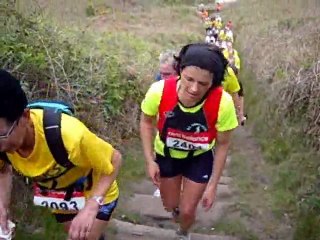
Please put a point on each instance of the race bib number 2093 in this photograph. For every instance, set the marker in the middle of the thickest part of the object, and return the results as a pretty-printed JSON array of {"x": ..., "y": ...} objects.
[{"x": 56, "y": 200}]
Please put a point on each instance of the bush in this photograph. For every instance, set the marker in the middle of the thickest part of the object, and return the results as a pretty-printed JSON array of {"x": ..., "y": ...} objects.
[{"x": 100, "y": 76}]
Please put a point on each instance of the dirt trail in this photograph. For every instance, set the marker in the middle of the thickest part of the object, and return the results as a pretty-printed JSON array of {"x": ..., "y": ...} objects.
[{"x": 253, "y": 190}]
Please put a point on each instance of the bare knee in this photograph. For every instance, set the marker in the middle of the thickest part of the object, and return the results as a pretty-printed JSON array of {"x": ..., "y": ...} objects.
[
  {"x": 188, "y": 212},
  {"x": 170, "y": 190}
]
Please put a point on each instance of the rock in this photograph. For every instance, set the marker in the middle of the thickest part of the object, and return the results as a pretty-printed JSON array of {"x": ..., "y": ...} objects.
[
  {"x": 150, "y": 206},
  {"x": 129, "y": 231}
]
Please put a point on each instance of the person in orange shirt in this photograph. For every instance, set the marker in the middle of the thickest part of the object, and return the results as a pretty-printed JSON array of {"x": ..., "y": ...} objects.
[{"x": 202, "y": 12}]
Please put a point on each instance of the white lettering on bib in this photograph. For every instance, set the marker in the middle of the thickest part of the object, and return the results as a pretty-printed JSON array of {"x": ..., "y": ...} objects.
[
  {"x": 55, "y": 200},
  {"x": 187, "y": 140}
]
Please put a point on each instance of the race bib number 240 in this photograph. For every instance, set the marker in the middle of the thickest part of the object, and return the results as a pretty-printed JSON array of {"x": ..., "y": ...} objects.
[{"x": 187, "y": 141}]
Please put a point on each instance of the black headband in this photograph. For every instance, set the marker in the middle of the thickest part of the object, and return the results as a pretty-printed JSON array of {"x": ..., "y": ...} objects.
[{"x": 205, "y": 57}]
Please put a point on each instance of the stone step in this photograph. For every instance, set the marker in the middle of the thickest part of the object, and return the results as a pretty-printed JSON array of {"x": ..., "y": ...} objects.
[
  {"x": 129, "y": 231},
  {"x": 147, "y": 205},
  {"x": 150, "y": 206},
  {"x": 126, "y": 236}
]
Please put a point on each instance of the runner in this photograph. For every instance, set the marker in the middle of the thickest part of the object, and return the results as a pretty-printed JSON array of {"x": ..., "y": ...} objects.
[
  {"x": 231, "y": 85},
  {"x": 219, "y": 4},
  {"x": 194, "y": 116},
  {"x": 218, "y": 23},
  {"x": 202, "y": 12},
  {"x": 234, "y": 62},
  {"x": 167, "y": 65},
  {"x": 232, "y": 56},
  {"x": 72, "y": 169}
]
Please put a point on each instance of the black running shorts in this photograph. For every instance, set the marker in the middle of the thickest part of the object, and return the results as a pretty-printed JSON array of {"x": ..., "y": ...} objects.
[{"x": 197, "y": 168}]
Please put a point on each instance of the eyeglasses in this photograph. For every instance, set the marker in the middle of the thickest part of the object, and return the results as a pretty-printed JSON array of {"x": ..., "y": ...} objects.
[{"x": 5, "y": 136}]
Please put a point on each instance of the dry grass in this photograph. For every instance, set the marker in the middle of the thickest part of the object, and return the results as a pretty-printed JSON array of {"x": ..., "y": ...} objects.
[
  {"x": 163, "y": 25},
  {"x": 277, "y": 34},
  {"x": 280, "y": 45},
  {"x": 300, "y": 97},
  {"x": 280, "y": 42},
  {"x": 155, "y": 24}
]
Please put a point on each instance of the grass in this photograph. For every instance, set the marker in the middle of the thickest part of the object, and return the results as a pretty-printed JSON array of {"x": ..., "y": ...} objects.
[
  {"x": 133, "y": 168},
  {"x": 132, "y": 171},
  {"x": 289, "y": 164},
  {"x": 293, "y": 163},
  {"x": 234, "y": 227},
  {"x": 147, "y": 19},
  {"x": 241, "y": 170},
  {"x": 39, "y": 225}
]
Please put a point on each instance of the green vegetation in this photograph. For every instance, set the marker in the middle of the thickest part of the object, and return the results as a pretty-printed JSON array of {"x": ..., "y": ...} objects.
[
  {"x": 236, "y": 228},
  {"x": 97, "y": 73},
  {"x": 280, "y": 47}
]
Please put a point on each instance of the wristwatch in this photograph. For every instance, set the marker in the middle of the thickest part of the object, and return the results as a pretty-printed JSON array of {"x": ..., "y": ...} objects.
[{"x": 98, "y": 199}]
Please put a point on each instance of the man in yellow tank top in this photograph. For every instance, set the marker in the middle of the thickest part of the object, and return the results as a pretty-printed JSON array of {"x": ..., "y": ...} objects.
[{"x": 87, "y": 210}]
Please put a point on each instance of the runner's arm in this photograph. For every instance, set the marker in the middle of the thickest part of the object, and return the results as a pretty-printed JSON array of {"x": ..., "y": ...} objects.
[
  {"x": 105, "y": 181},
  {"x": 220, "y": 156},
  {"x": 92, "y": 152},
  {"x": 146, "y": 135},
  {"x": 227, "y": 122},
  {"x": 236, "y": 101}
]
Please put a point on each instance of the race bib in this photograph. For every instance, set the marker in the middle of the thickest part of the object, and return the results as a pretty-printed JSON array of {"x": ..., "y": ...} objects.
[
  {"x": 55, "y": 200},
  {"x": 187, "y": 140}
]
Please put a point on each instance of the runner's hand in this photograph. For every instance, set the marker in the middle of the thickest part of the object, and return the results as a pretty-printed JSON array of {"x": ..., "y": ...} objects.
[
  {"x": 154, "y": 172},
  {"x": 208, "y": 198},
  {"x": 243, "y": 120},
  {"x": 82, "y": 224}
]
